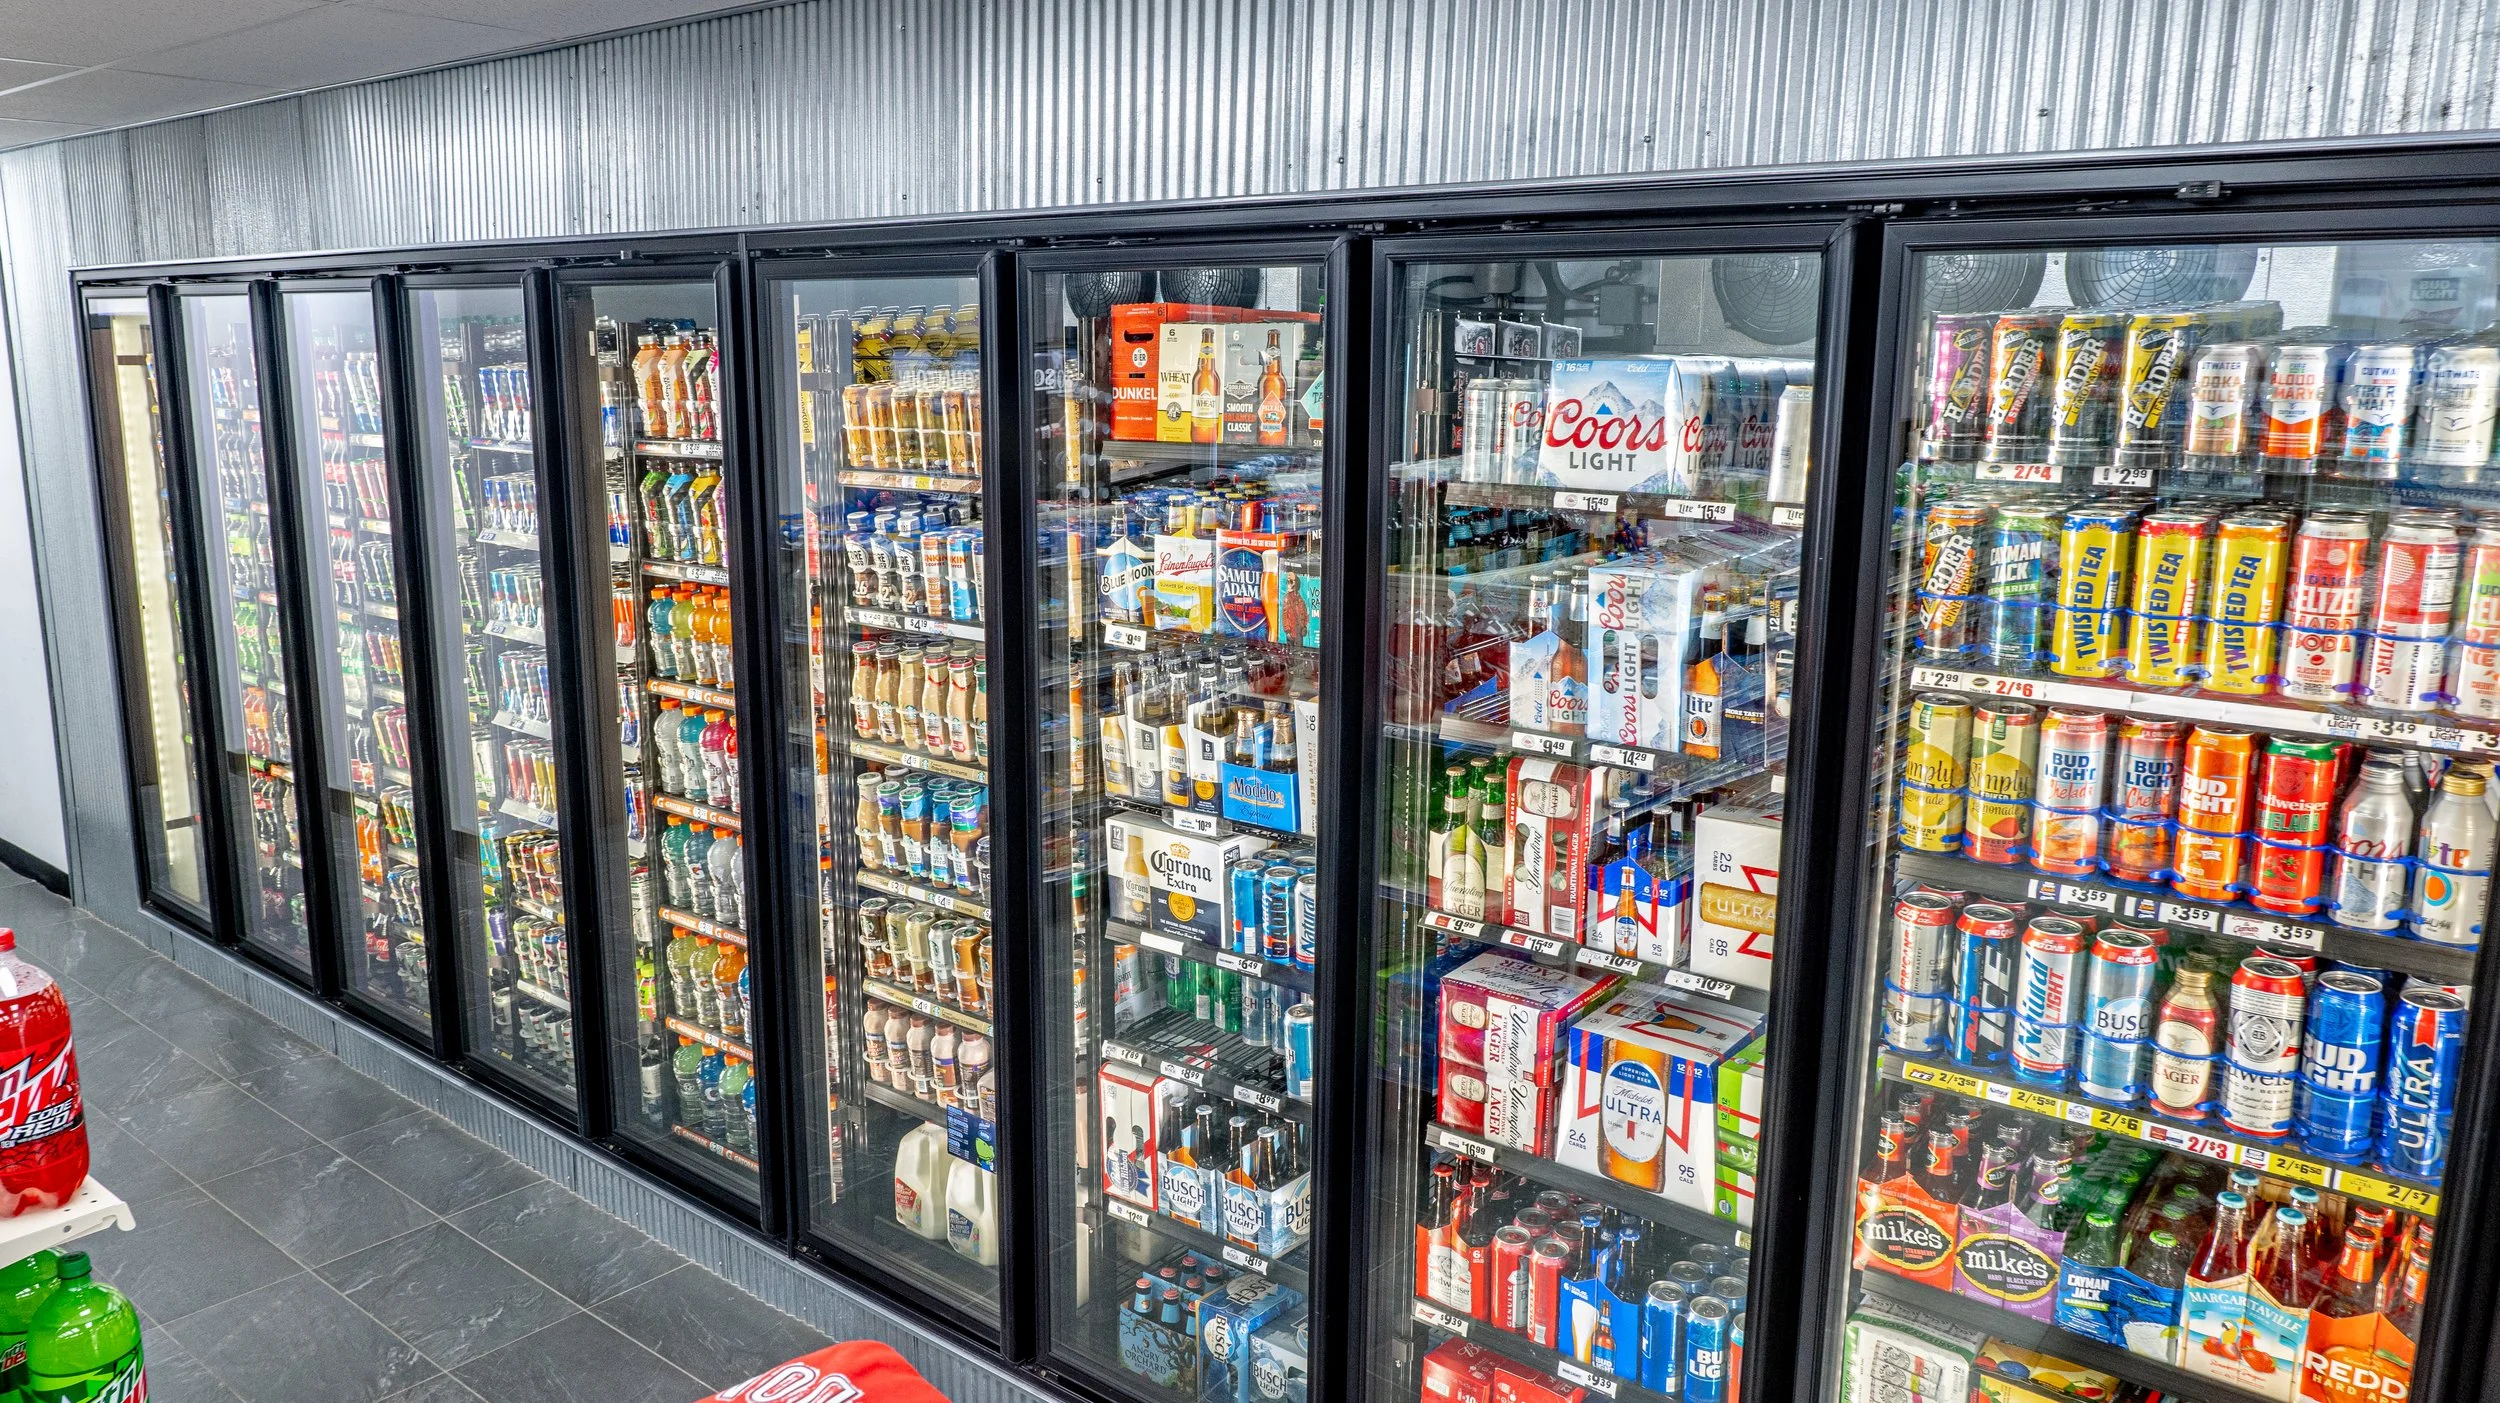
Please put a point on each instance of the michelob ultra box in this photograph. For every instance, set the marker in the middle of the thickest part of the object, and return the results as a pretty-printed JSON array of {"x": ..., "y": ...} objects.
[
  {"x": 1632, "y": 425},
  {"x": 1192, "y": 881},
  {"x": 1736, "y": 884},
  {"x": 1640, "y": 1091}
]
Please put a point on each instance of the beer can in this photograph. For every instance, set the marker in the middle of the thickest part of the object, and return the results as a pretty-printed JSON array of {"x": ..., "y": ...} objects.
[
  {"x": 2152, "y": 399},
  {"x": 1957, "y": 384},
  {"x": 2412, "y": 612},
  {"x": 2294, "y": 823},
  {"x": 1511, "y": 1246},
  {"x": 2020, "y": 588},
  {"x": 2261, "y": 1053},
  {"x": 2250, "y": 551},
  {"x": 2117, "y": 1016},
  {"x": 2226, "y": 383},
  {"x": 1933, "y": 774},
  {"x": 1305, "y": 917},
  {"x": 2474, "y": 672},
  {"x": 2322, "y": 618},
  {"x": 1705, "y": 1349},
  {"x": 1914, "y": 977},
  {"x": 1662, "y": 1338},
  {"x": 2303, "y": 411},
  {"x": 1952, "y": 550},
  {"x": 1480, "y": 431},
  {"x": 2460, "y": 392},
  {"x": 1245, "y": 926},
  {"x": 2004, "y": 771},
  {"x": 1548, "y": 1260},
  {"x": 2144, "y": 793},
  {"x": 1276, "y": 900},
  {"x": 2168, "y": 597},
  {"x": 1980, "y": 1015},
  {"x": 2378, "y": 394},
  {"x": 1693, "y": 1275},
  {"x": 2046, "y": 993},
  {"x": 1730, "y": 1289},
  {"x": 1298, "y": 1054},
  {"x": 2022, "y": 352},
  {"x": 2087, "y": 635},
  {"x": 2335, "y": 1101},
  {"x": 2083, "y": 418},
  {"x": 1792, "y": 445},
  {"x": 2066, "y": 806},
  {"x": 2215, "y": 784},
  {"x": 2425, "y": 1040}
]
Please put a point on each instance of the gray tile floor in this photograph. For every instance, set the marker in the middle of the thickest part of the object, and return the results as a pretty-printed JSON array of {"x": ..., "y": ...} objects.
[{"x": 307, "y": 1235}]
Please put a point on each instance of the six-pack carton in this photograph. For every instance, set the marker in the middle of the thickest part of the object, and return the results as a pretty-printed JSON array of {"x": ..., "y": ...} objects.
[
  {"x": 1137, "y": 361},
  {"x": 1640, "y": 1090},
  {"x": 1551, "y": 805}
]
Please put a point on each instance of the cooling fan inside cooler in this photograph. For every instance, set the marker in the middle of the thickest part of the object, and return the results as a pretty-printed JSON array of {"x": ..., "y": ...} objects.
[
  {"x": 1982, "y": 282},
  {"x": 1771, "y": 297},
  {"x": 2145, "y": 277}
]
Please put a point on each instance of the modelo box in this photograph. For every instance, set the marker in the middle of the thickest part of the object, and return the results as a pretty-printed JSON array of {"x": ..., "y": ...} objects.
[
  {"x": 1192, "y": 882},
  {"x": 1736, "y": 883},
  {"x": 1625, "y": 426},
  {"x": 1137, "y": 361},
  {"x": 1893, "y": 1354},
  {"x": 1639, "y": 1098},
  {"x": 1280, "y": 1360},
  {"x": 1129, "y": 1152},
  {"x": 1549, "y": 809},
  {"x": 1502, "y": 1029},
  {"x": 1229, "y": 1319}
]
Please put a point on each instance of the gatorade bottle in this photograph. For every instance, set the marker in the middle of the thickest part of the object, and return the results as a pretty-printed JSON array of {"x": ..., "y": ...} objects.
[
  {"x": 83, "y": 1343},
  {"x": 687, "y": 1067},
  {"x": 735, "y": 1078},
  {"x": 716, "y": 757},
  {"x": 43, "y": 1130},
  {"x": 690, "y": 751},
  {"x": 25, "y": 1284},
  {"x": 663, "y": 631}
]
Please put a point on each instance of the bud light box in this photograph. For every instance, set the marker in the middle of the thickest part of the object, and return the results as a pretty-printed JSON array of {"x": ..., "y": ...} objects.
[
  {"x": 1640, "y": 1091},
  {"x": 1624, "y": 426},
  {"x": 1280, "y": 1370},
  {"x": 1229, "y": 1319},
  {"x": 1893, "y": 1354},
  {"x": 2000, "y": 1258},
  {"x": 2118, "y": 1307},
  {"x": 1599, "y": 1329}
]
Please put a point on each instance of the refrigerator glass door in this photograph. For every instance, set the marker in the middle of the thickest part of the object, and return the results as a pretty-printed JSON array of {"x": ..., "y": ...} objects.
[
  {"x": 361, "y": 714},
  {"x": 481, "y": 486},
  {"x": 678, "y": 991},
  {"x": 255, "y": 716},
  {"x": 879, "y": 490},
  {"x": 1178, "y": 428},
  {"x": 1593, "y": 542},
  {"x": 2189, "y": 695},
  {"x": 121, "y": 339}
]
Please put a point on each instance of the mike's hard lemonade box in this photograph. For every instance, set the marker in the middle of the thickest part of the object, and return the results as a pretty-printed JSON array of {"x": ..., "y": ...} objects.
[{"x": 1633, "y": 425}]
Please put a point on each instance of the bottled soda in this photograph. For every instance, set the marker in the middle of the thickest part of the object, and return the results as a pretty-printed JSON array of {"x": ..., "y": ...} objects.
[
  {"x": 25, "y": 1284},
  {"x": 83, "y": 1343},
  {"x": 43, "y": 1129}
]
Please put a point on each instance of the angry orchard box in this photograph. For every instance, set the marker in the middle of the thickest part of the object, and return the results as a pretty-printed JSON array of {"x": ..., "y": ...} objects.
[{"x": 1631, "y": 425}]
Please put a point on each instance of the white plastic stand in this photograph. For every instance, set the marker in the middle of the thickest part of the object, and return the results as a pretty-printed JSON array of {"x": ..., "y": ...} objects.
[{"x": 92, "y": 1209}]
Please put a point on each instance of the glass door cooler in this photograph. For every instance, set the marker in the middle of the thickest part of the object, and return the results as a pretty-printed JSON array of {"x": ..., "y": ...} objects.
[
  {"x": 1595, "y": 512},
  {"x": 877, "y": 398},
  {"x": 2187, "y": 705}
]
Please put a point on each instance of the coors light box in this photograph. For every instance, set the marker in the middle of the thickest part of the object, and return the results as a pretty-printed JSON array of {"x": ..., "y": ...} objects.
[{"x": 1624, "y": 426}]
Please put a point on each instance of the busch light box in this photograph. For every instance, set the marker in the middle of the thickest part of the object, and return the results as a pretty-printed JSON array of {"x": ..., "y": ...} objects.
[
  {"x": 1229, "y": 1320},
  {"x": 1600, "y": 1329},
  {"x": 1280, "y": 1370},
  {"x": 2118, "y": 1307},
  {"x": 1268, "y": 1221},
  {"x": 2002, "y": 1259},
  {"x": 1624, "y": 426}
]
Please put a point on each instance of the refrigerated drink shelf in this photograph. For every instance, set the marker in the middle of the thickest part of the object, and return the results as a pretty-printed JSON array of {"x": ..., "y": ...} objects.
[
  {"x": 1504, "y": 494},
  {"x": 678, "y": 447},
  {"x": 1684, "y": 1218},
  {"x": 917, "y": 623},
  {"x": 1523, "y": 1350},
  {"x": 687, "y": 808},
  {"x": 2430, "y": 732},
  {"x": 893, "y": 1100},
  {"x": 536, "y": 908},
  {"x": 1132, "y": 638},
  {"x": 549, "y": 997},
  {"x": 920, "y": 1004},
  {"x": 1197, "y": 952},
  {"x": 914, "y": 760},
  {"x": 1200, "y": 1072},
  {"x": 526, "y": 725},
  {"x": 688, "y": 691},
  {"x": 926, "y": 896},
  {"x": 2172, "y": 1381},
  {"x": 493, "y": 445},
  {"x": 1695, "y": 775},
  {"x": 910, "y": 482},
  {"x": 1201, "y": 455},
  {"x": 2213, "y": 1142},
  {"x": 710, "y": 929},
  {"x": 687, "y": 1028},
  {"x": 518, "y": 540},
  {"x": 529, "y": 813},
  {"x": 1551, "y": 948},
  {"x": 682, "y": 571},
  {"x": 1206, "y": 1244},
  {"x": 517, "y": 633},
  {"x": 743, "y": 1161},
  {"x": 2441, "y": 964}
]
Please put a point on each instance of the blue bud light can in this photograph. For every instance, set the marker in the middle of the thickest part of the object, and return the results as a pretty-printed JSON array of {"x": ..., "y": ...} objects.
[
  {"x": 1689, "y": 1274},
  {"x": 2335, "y": 1099},
  {"x": 1242, "y": 930},
  {"x": 1306, "y": 917},
  {"x": 1298, "y": 1021},
  {"x": 1276, "y": 923},
  {"x": 2425, "y": 1037},
  {"x": 1662, "y": 1339},
  {"x": 1711, "y": 1255},
  {"x": 1730, "y": 1289},
  {"x": 1739, "y": 1265},
  {"x": 1705, "y": 1350}
]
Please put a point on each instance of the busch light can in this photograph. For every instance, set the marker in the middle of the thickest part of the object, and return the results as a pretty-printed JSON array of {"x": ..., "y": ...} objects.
[
  {"x": 1705, "y": 1350},
  {"x": 1662, "y": 1338},
  {"x": 2425, "y": 1038},
  {"x": 2335, "y": 1101},
  {"x": 2117, "y": 1016}
]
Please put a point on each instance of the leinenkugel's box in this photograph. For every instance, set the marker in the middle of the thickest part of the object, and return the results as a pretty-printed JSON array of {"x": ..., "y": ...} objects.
[
  {"x": 1634, "y": 425},
  {"x": 1641, "y": 1088}
]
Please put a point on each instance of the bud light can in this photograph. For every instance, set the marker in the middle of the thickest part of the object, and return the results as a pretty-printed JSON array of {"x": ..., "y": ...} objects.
[
  {"x": 2425, "y": 1038},
  {"x": 2074, "y": 772},
  {"x": 1662, "y": 1338},
  {"x": 2117, "y": 1016},
  {"x": 1980, "y": 1017},
  {"x": 1705, "y": 1350},
  {"x": 2262, "y": 1048},
  {"x": 2047, "y": 986},
  {"x": 2335, "y": 1102}
]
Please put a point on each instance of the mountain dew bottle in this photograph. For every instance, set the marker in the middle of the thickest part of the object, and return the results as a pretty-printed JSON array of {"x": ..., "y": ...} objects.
[
  {"x": 83, "y": 1344},
  {"x": 24, "y": 1284}
]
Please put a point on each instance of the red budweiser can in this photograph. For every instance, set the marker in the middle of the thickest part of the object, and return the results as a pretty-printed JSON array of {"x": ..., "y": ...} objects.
[
  {"x": 2295, "y": 822},
  {"x": 2414, "y": 608},
  {"x": 1548, "y": 1259},
  {"x": 1511, "y": 1277},
  {"x": 2474, "y": 678},
  {"x": 2322, "y": 623}
]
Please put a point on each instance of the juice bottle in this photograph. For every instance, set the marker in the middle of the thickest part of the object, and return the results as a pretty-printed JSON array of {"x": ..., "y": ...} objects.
[
  {"x": 721, "y": 667},
  {"x": 663, "y": 613},
  {"x": 647, "y": 384},
  {"x": 715, "y": 1124},
  {"x": 889, "y": 691},
  {"x": 864, "y": 691},
  {"x": 673, "y": 875},
  {"x": 725, "y": 970},
  {"x": 673, "y": 387},
  {"x": 690, "y": 749},
  {"x": 683, "y": 539},
  {"x": 702, "y": 392}
]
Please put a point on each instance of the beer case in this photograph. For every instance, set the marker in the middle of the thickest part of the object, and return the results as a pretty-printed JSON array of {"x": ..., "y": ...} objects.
[
  {"x": 1269, "y": 1221},
  {"x": 1472, "y": 338},
  {"x": 1188, "y": 1193},
  {"x": 2009, "y": 1373},
  {"x": 1739, "y": 1152},
  {"x": 2118, "y": 1307},
  {"x": 1561, "y": 342},
  {"x": 1184, "y": 583},
  {"x": 1241, "y": 360},
  {"x": 1461, "y": 1095},
  {"x": 1894, "y": 1354},
  {"x": 1306, "y": 749},
  {"x": 1549, "y": 805},
  {"x": 1517, "y": 1383},
  {"x": 1229, "y": 1319},
  {"x": 1248, "y": 570},
  {"x": 1732, "y": 1194},
  {"x": 1204, "y": 747},
  {"x": 1503, "y": 1019},
  {"x": 1130, "y": 1154},
  {"x": 1736, "y": 900},
  {"x": 1615, "y": 1350},
  {"x": 1119, "y": 831},
  {"x": 1904, "y": 1230},
  {"x": 1455, "y": 1371},
  {"x": 1639, "y": 1099},
  {"x": 1740, "y": 1093},
  {"x": 1137, "y": 362},
  {"x": 1640, "y": 627},
  {"x": 1192, "y": 882},
  {"x": 1520, "y": 340},
  {"x": 1280, "y": 1360},
  {"x": 1155, "y": 1351},
  {"x": 2355, "y": 1359},
  {"x": 2215, "y": 1328},
  {"x": 1641, "y": 913},
  {"x": 1629, "y": 425},
  {"x": 1999, "y": 1257},
  {"x": 1266, "y": 798}
]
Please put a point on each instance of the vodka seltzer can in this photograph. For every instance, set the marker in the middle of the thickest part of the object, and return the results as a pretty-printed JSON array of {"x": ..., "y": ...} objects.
[
  {"x": 2117, "y": 1016},
  {"x": 2004, "y": 770},
  {"x": 2322, "y": 617},
  {"x": 2087, "y": 637},
  {"x": 2152, "y": 393},
  {"x": 1979, "y": 1017},
  {"x": 2303, "y": 419},
  {"x": 2411, "y": 613},
  {"x": 1952, "y": 551},
  {"x": 1933, "y": 773},
  {"x": 2261, "y": 1053},
  {"x": 1914, "y": 976},
  {"x": 2144, "y": 785},
  {"x": 2335, "y": 1102},
  {"x": 2378, "y": 398},
  {"x": 2460, "y": 392},
  {"x": 2250, "y": 550},
  {"x": 2214, "y": 790},
  {"x": 2021, "y": 358},
  {"x": 2168, "y": 596},
  {"x": 2021, "y": 587},
  {"x": 2074, "y": 779},
  {"x": 2474, "y": 673},
  {"x": 1957, "y": 384},
  {"x": 2373, "y": 837},
  {"x": 2048, "y": 978},
  {"x": 2225, "y": 388},
  {"x": 2083, "y": 412},
  {"x": 2295, "y": 818}
]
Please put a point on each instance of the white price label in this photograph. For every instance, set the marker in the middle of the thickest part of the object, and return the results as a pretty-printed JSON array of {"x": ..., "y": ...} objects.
[
  {"x": 1127, "y": 636},
  {"x": 2171, "y": 913},
  {"x": 2122, "y": 477},
  {"x": 1538, "y": 743},
  {"x": 1535, "y": 944},
  {"x": 1204, "y": 825},
  {"x": 1160, "y": 944},
  {"x": 2306, "y": 937},
  {"x": 1620, "y": 964},
  {"x": 1459, "y": 1144},
  {"x": 1120, "y": 1052},
  {"x": 1247, "y": 1261},
  {"x": 1250, "y": 1096},
  {"x": 1239, "y": 964},
  {"x": 1440, "y": 1319},
  {"x": 2085, "y": 896},
  {"x": 1788, "y": 516},
  {"x": 1644, "y": 761},
  {"x": 1687, "y": 509},
  {"x": 1719, "y": 989},
  {"x": 2020, "y": 472},
  {"x": 1571, "y": 1373},
  {"x": 1584, "y": 501},
  {"x": 1455, "y": 925},
  {"x": 1128, "y": 1213},
  {"x": 1945, "y": 678},
  {"x": 2343, "y": 727},
  {"x": 1178, "y": 1072}
]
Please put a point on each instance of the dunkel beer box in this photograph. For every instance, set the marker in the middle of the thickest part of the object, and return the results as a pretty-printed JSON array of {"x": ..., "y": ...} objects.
[{"x": 1634, "y": 425}]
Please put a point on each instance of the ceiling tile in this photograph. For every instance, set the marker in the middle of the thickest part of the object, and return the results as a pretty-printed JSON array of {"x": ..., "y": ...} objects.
[
  {"x": 334, "y": 44},
  {"x": 14, "y": 72},
  {"x": 14, "y": 133},
  {"x": 85, "y": 32},
  {"x": 559, "y": 19},
  {"x": 112, "y": 97}
]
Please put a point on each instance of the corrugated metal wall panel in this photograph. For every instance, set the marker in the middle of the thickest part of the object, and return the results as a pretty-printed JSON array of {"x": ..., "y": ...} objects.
[
  {"x": 258, "y": 200},
  {"x": 169, "y": 188},
  {"x": 666, "y": 120},
  {"x": 103, "y": 226}
]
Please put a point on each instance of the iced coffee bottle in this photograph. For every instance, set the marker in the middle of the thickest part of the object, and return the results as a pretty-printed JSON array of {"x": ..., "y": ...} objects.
[
  {"x": 934, "y": 701},
  {"x": 911, "y": 685},
  {"x": 889, "y": 692},
  {"x": 959, "y": 703}
]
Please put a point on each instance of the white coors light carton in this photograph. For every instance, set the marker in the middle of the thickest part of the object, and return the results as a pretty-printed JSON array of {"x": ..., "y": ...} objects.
[{"x": 1625, "y": 426}]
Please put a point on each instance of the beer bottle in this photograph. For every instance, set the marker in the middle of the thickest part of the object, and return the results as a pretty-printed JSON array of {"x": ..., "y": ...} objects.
[
  {"x": 1273, "y": 428},
  {"x": 1206, "y": 394},
  {"x": 1936, "y": 1169},
  {"x": 1889, "y": 1159},
  {"x": 1491, "y": 826},
  {"x": 84, "y": 1341},
  {"x": 2353, "y": 1289},
  {"x": 2412, "y": 1279},
  {"x": 1992, "y": 1184}
]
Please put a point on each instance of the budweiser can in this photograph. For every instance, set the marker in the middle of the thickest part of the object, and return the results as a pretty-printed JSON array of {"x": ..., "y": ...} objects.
[
  {"x": 2086, "y": 638},
  {"x": 2295, "y": 819},
  {"x": 2152, "y": 400},
  {"x": 1933, "y": 774},
  {"x": 2412, "y": 612},
  {"x": 2250, "y": 550},
  {"x": 2074, "y": 775},
  {"x": 2047, "y": 991},
  {"x": 1914, "y": 977},
  {"x": 2004, "y": 770},
  {"x": 2225, "y": 389},
  {"x": 2169, "y": 585},
  {"x": 2019, "y": 365},
  {"x": 2145, "y": 788},
  {"x": 1957, "y": 384},
  {"x": 2303, "y": 418},
  {"x": 2474, "y": 675},
  {"x": 1512, "y": 1245},
  {"x": 2261, "y": 1054},
  {"x": 2378, "y": 401},
  {"x": 1951, "y": 549},
  {"x": 2213, "y": 813},
  {"x": 2460, "y": 391},
  {"x": 2322, "y": 620},
  {"x": 2083, "y": 415}
]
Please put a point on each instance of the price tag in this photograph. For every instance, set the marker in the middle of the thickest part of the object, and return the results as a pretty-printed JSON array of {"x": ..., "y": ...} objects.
[
  {"x": 1250, "y": 1096},
  {"x": 1121, "y": 1052},
  {"x": 913, "y": 623},
  {"x": 2190, "y": 1142},
  {"x": 1440, "y": 1319},
  {"x": 1127, "y": 636},
  {"x": 1459, "y": 1144},
  {"x": 1239, "y": 964},
  {"x": 1204, "y": 825},
  {"x": 1571, "y": 1373},
  {"x": 1584, "y": 501},
  {"x": 1247, "y": 1261},
  {"x": 2344, "y": 727},
  {"x": 1536, "y": 944},
  {"x": 2308, "y": 1171},
  {"x": 1456, "y": 925},
  {"x": 2122, "y": 477},
  {"x": 1687, "y": 509},
  {"x": 2117, "y": 1124},
  {"x": 2037, "y": 1102},
  {"x": 2003, "y": 686},
  {"x": 2307, "y": 937},
  {"x": 2171, "y": 913},
  {"x": 1788, "y": 516},
  {"x": 1937, "y": 677},
  {"x": 1624, "y": 758},
  {"x": 1921, "y": 1074},
  {"x": 1599, "y": 959},
  {"x": 2404, "y": 1196},
  {"x": 1128, "y": 1212},
  {"x": 2070, "y": 895},
  {"x": 2446, "y": 737},
  {"x": 1719, "y": 989},
  {"x": 1161, "y": 944},
  {"x": 2020, "y": 472},
  {"x": 1538, "y": 743},
  {"x": 1178, "y": 1072},
  {"x": 875, "y": 618}
]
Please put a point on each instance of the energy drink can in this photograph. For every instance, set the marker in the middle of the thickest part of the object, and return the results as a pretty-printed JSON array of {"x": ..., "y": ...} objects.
[
  {"x": 2086, "y": 634},
  {"x": 2021, "y": 587},
  {"x": 2083, "y": 417},
  {"x": 2214, "y": 790},
  {"x": 2335, "y": 1100},
  {"x": 2145, "y": 792},
  {"x": 2250, "y": 550},
  {"x": 1980, "y": 1016},
  {"x": 1933, "y": 773},
  {"x": 2226, "y": 383},
  {"x": 2117, "y": 1016},
  {"x": 1662, "y": 1338},
  {"x": 2004, "y": 772},
  {"x": 2378, "y": 395},
  {"x": 2303, "y": 418},
  {"x": 2022, "y": 351},
  {"x": 2169, "y": 593},
  {"x": 2066, "y": 807},
  {"x": 1705, "y": 1349},
  {"x": 2152, "y": 398},
  {"x": 1952, "y": 548},
  {"x": 2046, "y": 993},
  {"x": 2322, "y": 617},
  {"x": 1957, "y": 384}
]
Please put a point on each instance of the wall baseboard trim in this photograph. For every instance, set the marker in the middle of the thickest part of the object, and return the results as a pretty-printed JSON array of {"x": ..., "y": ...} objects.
[{"x": 34, "y": 869}]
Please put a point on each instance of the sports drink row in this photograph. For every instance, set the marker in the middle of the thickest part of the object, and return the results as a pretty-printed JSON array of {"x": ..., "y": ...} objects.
[
  {"x": 688, "y": 627},
  {"x": 709, "y": 983},
  {"x": 680, "y": 504},
  {"x": 921, "y": 557},
  {"x": 2295, "y": 825},
  {"x": 1602, "y": 1287},
  {"x": 715, "y": 1094},
  {"x": 676, "y": 383},
  {"x": 2270, "y": 1286},
  {"x": 2355, "y": 1065},
  {"x": 2242, "y": 600},
  {"x": 697, "y": 751},
  {"x": 2218, "y": 388},
  {"x": 700, "y": 871}
]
